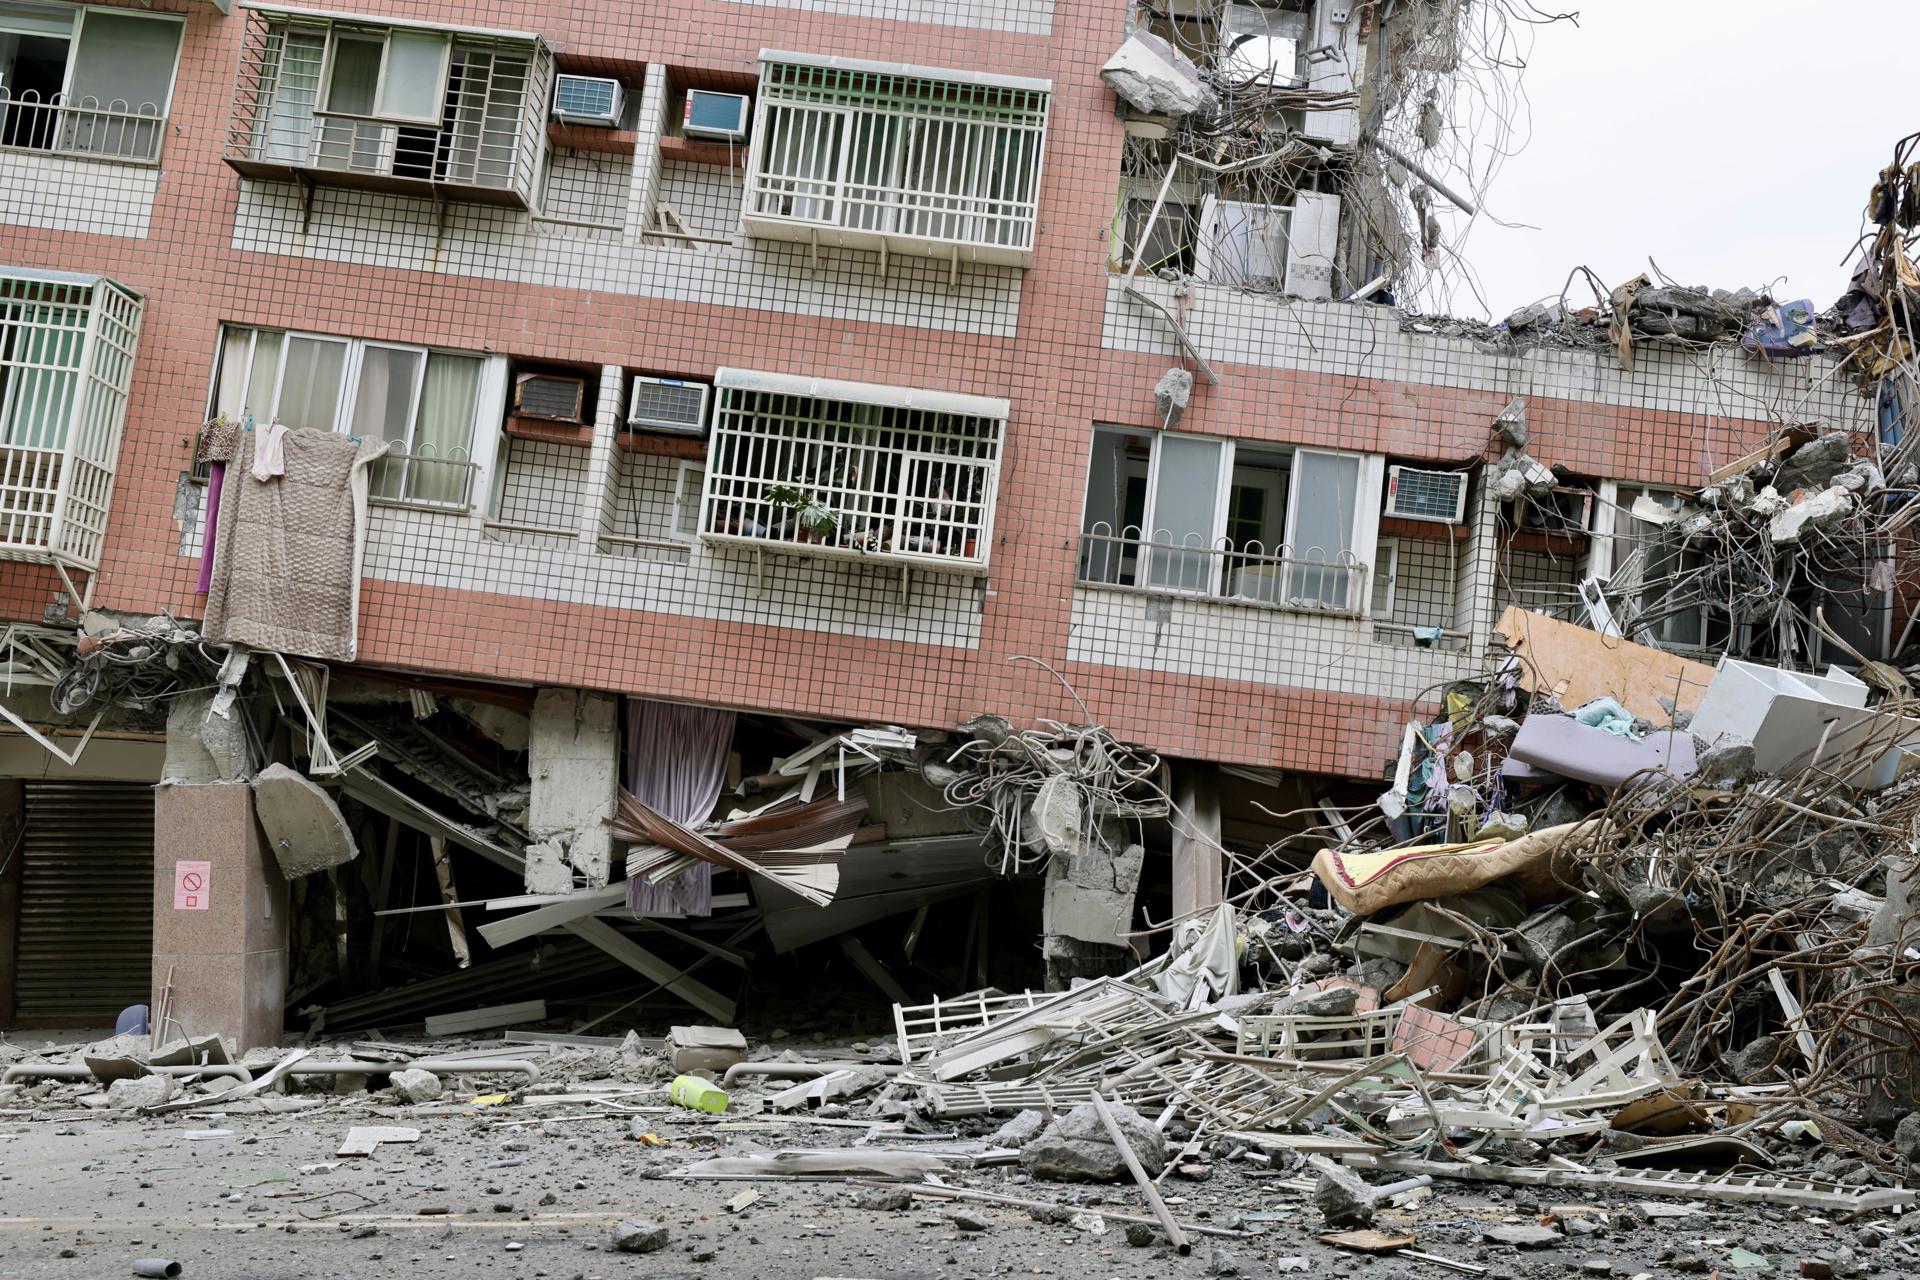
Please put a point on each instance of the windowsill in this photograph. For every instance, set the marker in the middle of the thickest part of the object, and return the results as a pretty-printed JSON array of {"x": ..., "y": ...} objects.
[
  {"x": 62, "y": 153},
  {"x": 622, "y": 547},
  {"x": 824, "y": 551},
  {"x": 370, "y": 180},
  {"x": 831, "y": 236},
  {"x": 430, "y": 508},
  {"x": 1199, "y": 597}
]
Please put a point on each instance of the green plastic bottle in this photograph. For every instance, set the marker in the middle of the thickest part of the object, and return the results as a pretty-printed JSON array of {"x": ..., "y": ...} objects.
[{"x": 696, "y": 1094}]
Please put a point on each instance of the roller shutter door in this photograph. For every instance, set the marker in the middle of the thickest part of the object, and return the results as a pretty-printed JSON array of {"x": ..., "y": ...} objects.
[{"x": 86, "y": 902}]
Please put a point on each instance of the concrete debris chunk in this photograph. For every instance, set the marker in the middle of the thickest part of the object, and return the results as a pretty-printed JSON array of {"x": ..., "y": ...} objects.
[
  {"x": 1078, "y": 1148},
  {"x": 1526, "y": 1235},
  {"x": 415, "y": 1086},
  {"x": 1171, "y": 394},
  {"x": 1342, "y": 1197},
  {"x": 140, "y": 1091},
  {"x": 639, "y": 1235},
  {"x": 303, "y": 826}
]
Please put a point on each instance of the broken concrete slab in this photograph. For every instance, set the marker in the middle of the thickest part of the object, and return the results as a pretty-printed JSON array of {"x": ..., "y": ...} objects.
[
  {"x": 302, "y": 824},
  {"x": 131, "y": 1092},
  {"x": 639, "y": 1235},
  {"x": 1154, "y": 77},
  {"x": 1524, "y": 1235},
  {"x": 1343, "y": 1198}
]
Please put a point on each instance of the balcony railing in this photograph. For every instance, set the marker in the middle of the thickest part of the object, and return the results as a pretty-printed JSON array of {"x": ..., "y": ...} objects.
[
  {"x": 86, "y": 127},
  {"x": 67, "y": 346},
  {"x": 1245, "y": 573},
  {"x": 485, "y": 147},
  {"x": 900, "y": 159},
  {"x": 423, "y": 479}
]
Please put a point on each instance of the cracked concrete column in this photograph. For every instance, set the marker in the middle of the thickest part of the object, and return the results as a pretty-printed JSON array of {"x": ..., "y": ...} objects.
[
  {"x": 1199, "y": 867},
  {"x": 574, "y": 762}
]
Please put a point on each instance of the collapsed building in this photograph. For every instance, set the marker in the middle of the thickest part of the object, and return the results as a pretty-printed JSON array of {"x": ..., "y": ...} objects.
[{"x": 600, "y": 520}]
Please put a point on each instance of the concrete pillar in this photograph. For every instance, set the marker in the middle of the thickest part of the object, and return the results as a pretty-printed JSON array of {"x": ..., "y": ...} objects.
[
  {"x": 1199, "y": 867},
  {"x": 598, "y": 495},
  {"x": 644, "y": 192},
  {"x": 219, "y": 915},
  {"x": 13, "y": 814},
  {"x": 573, "y": 757}
]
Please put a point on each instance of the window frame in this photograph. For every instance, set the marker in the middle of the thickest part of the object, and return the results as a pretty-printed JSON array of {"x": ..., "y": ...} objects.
[
  {"x": 689, "y": 483},
  {"x": 1627, "y": 541},
  {"x": 1206, "y": 249},
  {"x": 351, "y": 368},
  {"x": 75, "y": 28},
  {"x": 1362, "y": 530},
  {"x": 382, "y": 36}
]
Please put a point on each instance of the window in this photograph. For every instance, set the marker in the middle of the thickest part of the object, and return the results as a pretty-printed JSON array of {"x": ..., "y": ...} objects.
[
  {"x": 1658, "y": 571},
  {"x": 1243, "y": 244},
  {"x": 90, "y": 82},
  {"x": 67, "y": 346},
  {"x": 867, "y": 155},
  {"x": 1171, "y": 243},
  {"x": 424, "y": 403},
  {"x": 464, "y": 111},
  {"x": 1197, "y": 514},
  {"x": 850, "y": 469},
  {"x": 1257, "y": 43},
  {"x": 689, "y": 481}
]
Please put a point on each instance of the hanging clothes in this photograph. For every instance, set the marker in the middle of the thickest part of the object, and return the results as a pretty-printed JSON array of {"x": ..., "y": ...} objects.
[
  {"x": 270, "y": 451},
  {"x": 676, "y": 760},
  {"x": 216, "y": 444}
]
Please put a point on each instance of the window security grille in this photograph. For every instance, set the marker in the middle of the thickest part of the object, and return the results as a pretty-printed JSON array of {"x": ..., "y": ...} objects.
[
  {"x": 66, "y": 360},
  {"x": 832, "y": 477},
  {"x": 873, "y": 158}
]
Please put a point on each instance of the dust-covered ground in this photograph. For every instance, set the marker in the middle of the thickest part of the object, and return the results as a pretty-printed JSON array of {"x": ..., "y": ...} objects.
[{"x": 530, "y": 1187}]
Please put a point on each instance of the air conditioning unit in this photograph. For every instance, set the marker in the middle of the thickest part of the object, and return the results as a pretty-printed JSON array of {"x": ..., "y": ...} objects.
[
  {"x": 668, "y": 404},
  {"x": 1564, "y": 509},
  {"x": 592, "y": 100},
  {"x": 543, "y": 395},
  {"x": 715, "y": 115},
  {"x": 1438, "y": 497}
]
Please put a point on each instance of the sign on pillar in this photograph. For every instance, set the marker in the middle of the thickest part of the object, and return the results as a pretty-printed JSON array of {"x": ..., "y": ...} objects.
[{"x": 192, "y": 883}]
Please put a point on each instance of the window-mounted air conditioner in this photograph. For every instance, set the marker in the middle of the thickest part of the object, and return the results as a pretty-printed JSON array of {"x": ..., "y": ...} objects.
[
  {"x": 1438, "y": 497},
  {"x": 543, "y": 395},
  {"x": 589, "y": 100},
  {"x": 668, "y": 404},
  {"x": 715, "y": 115}
]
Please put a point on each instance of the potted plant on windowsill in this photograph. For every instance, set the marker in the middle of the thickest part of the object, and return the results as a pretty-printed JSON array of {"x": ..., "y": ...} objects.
[{"x": 813, "y": 520}]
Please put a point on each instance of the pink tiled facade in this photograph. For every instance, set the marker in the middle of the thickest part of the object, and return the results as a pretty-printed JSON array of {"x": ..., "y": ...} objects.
[{"x": 446, "y": 593}]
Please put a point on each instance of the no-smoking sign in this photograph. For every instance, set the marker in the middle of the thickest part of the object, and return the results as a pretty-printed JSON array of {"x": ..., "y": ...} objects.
[{"x": 191, "y": 881}]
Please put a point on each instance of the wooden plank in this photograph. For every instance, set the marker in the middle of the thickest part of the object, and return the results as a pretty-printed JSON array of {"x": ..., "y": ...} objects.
[
  {"x": 876, "y": 973},
  {"x": 499, "y": 1015},
  {"x": 501, "y": 932},
  {"x": 1577, "y": 665},
  {"x": 644, "y": 962}
]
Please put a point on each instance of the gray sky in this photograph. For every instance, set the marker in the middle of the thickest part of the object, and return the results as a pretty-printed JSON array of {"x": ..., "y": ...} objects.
[{"x": 1733, "y": 141}]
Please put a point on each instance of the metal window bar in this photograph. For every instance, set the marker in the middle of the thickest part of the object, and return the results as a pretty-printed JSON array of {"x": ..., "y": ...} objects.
[
  {"x": 899, "y": 485},
  {"x": 420, "y": 477},
  {"x": 66, "y": 361},
  {"x": 491, "y": 134},
  {"x": 938, "y": 161},
  {"x": 112, "y": 130},
  {"x": 1244, "y": 573}
]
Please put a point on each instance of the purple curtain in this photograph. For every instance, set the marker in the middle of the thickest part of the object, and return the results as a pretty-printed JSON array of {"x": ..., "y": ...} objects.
[
  {"x": 216, "y": 480},
  {"x": 676, "y": 760}
]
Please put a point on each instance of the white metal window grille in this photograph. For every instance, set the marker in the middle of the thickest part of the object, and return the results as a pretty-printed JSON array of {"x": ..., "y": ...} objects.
[
  {"x": 827, "y": 476},
  {"x": 66, "y": 360},
  {"x": 477, "y": 131},
  {"x": 897, "y": 159}
]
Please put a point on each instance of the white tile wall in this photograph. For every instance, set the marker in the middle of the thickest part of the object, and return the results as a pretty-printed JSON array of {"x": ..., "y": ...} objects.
[
  {"x": 1215, "y": 640},
  {"x": 1366, "y": 341},
  {"x": 1021, "y": 17},
  {"x": 398, "y": 232},
  {"x": 57, "y": 193}
]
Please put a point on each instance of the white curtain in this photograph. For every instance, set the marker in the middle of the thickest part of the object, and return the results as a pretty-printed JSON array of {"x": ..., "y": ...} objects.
[
  {"x": 443, "y": 433},
  {"x": 676, "y": 760}
]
